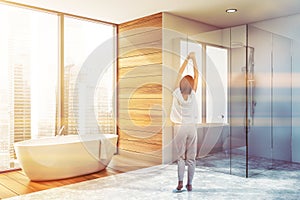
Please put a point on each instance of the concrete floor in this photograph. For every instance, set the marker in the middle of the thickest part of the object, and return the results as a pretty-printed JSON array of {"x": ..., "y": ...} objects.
[{"x": 158, "y": 182}]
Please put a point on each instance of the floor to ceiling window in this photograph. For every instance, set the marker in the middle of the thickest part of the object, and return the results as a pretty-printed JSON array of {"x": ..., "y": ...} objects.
[
  {"x": 83, "y": 40},
  {"x": 30, "y": 89},
  {"x": 29, "y": 67}
]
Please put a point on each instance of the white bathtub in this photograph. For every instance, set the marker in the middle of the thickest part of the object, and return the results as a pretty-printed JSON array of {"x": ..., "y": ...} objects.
[
  {"x": 212, "y": 137},
  {"x": 65, "y": 156}
]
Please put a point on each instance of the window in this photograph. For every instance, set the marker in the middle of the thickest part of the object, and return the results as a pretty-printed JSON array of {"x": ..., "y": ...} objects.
[
  {"x": 83, "y": 40},
  {"x": 28, "y": 83},
  {"x": 213, "y": 69},
  {"x": 216, "y": 84},
  {"x": 31, "y": 94}
]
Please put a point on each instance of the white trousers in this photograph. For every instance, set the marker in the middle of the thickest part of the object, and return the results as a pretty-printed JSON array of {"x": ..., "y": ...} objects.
[{"x": 186, "y": 149}]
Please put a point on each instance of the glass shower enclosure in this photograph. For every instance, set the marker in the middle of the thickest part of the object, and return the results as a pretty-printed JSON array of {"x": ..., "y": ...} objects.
[{"x": 259, "y": 109}]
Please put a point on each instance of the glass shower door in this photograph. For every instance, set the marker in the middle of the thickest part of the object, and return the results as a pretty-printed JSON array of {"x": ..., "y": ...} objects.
[
  {"x": 259, "y": 101},
  {"x": 237, "y": 103}
]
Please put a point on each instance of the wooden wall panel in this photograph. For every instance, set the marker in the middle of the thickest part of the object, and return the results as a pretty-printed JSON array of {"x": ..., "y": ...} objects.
[
  {"x": 140, "y": 103},
  {"x": 132, "y": 37},
  {"x": 144, "y": 48},
  {"x": 136, "y": 142},
  {"x": 148, "y": 70},
  {"x": 140, "y": 60},
  {"x": 151, "y": 138},
  {"x": 149, "y": 21},
  {"x": 152, "y": 90},
  {"x": 141, "y": 126},
  {"x": 140, "y": 86}
]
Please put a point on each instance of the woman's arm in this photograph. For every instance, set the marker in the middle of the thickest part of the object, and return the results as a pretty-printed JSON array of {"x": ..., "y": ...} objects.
[
  {"x": 196, "y": 74},
  {"x": 183, "y": 66}
]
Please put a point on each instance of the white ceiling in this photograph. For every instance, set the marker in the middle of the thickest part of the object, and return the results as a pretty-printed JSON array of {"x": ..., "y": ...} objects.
[{"x": 208, "y": 11}]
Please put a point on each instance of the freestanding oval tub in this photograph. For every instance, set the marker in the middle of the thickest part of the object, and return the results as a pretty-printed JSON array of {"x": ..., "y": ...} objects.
[{"x": 67, "y": 156}]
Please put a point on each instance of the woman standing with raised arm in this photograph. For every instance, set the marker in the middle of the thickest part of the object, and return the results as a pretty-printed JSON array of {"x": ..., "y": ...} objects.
[{"x": 184, "y": 115}]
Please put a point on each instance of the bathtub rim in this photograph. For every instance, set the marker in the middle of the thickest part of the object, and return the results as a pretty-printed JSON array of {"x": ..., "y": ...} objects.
[{"x": 54, "y": 139}]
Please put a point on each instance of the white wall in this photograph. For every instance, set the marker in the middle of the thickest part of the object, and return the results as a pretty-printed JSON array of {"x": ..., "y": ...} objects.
[{"x": 288, "y": 26}]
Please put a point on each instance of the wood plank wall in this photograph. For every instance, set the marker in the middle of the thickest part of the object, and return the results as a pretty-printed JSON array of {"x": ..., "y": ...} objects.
[{"x": 140, "y": 86}]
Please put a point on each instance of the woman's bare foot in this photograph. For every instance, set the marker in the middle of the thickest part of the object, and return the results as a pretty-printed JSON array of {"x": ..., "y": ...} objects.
[
  {"x": 180, "y": 185},
  {"x": 189, "y": 187}
]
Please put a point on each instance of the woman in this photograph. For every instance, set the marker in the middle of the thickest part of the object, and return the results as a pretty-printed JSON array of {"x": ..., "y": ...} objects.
[{"x": 184, "y": 114}]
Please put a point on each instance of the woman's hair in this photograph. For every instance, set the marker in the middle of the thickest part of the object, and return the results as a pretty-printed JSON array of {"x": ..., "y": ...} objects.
[{"x": 186, "y": 84}]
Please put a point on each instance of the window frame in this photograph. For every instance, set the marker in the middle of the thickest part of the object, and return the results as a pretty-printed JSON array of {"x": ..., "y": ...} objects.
[{"x": 203, "y": 78}]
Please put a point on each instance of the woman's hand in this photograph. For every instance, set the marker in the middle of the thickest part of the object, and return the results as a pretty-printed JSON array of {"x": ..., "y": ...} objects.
[{"x": 191, "y": 55}]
